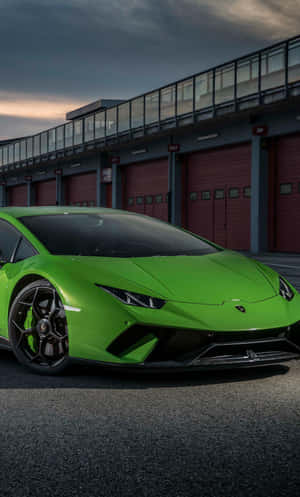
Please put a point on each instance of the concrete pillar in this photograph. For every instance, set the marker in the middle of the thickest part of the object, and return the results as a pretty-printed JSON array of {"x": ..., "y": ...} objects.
[
  {"x": 59, "y": 189},
  {"x": 101, "y": 187},
  {"x": 30, "y": 194},
  {"x": 117, "y": 186},
  {"x": 259, "y": 195},
  {"x": 175, "y": 189},
  {"x": 3, "y": 199}
]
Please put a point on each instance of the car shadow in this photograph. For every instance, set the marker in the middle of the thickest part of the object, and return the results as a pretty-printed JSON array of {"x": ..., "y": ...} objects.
[{"x": 14, "y": 376}]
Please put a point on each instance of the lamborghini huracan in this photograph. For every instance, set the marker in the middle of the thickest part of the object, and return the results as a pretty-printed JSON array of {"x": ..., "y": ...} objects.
[{"x": 129, "y": 291}]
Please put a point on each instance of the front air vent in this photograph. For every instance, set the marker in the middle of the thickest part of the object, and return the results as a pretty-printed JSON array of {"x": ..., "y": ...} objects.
[
  {"x": 181, "y": 345},
  {"x": 129, "y": 340},
  {"x": 173, "y": 344}
]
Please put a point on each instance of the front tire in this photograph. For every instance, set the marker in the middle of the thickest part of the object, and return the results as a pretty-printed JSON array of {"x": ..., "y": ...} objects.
[{"x": 38, "y": 331}]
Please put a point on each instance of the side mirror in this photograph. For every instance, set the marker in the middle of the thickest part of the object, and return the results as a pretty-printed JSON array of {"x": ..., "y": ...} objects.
[{"x": 3, "y": 261}]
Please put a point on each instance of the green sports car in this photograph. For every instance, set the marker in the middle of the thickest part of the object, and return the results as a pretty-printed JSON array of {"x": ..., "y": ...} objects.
[{"x": 127, "y": 290}]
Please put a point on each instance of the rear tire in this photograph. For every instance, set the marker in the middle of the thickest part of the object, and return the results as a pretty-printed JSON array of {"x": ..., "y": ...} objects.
[{"x": 38, "y": 331}]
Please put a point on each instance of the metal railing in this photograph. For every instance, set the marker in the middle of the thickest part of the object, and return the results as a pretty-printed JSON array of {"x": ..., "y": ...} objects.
[{"x": 260, "y": 78}]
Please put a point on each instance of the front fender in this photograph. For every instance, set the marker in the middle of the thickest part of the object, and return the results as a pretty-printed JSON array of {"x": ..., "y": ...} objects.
[{"x": 89, "y": 309}]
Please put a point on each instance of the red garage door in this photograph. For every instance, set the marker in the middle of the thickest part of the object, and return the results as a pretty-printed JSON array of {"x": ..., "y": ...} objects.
[
  {"x": 17, "y": 195},
  {"x": 146, "y": 187},
  {"x": 81, "y": 190},
  {"x": 218, "y": 195},
  {"x": 109, "y": 195},
  {"x": 45, "y": 192},
  {"x": 286, "y": 194}
]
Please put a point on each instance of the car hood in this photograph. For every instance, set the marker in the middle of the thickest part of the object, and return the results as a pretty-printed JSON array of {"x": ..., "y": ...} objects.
[{"x": 208, "y": 279}]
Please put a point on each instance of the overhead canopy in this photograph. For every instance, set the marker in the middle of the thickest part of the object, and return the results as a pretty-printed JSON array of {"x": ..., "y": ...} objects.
[{"x": 92, "y": 107}]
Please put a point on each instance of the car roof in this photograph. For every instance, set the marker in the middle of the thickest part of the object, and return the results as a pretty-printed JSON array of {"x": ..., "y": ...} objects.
[{"x": 18, "y": 212}]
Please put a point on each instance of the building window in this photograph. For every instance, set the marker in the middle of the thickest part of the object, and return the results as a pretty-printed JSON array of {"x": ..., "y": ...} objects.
[
  {"x": 158, "y": 199},
  {"x": 29, "y": 148},
  {"x": 185, "y": 97},
  {"x": 234, "y": 193},
  {"x": 139, "y": 200},
  {"x": 36, "y": 145},
  {"x": 203, "y": 90},
  {"x": 219, "y": 194},
  {"x": 247, "y": 191},
  {"x": 285, "y": 188},
  {"x": 17, "y": 151},
  {"x": 130, "y": 201},
  {"x": 205, "y": 195},
  {"x": 193, "y": 196},
  {"x": 11, "y": 154},
  {"x": 167, "y": 102},
  {"x": 51, "y": 137},
  {"x": 224, "y": 84},
  {"x": 89, "y": 128},
  {"x": 111, "y": 121},
  {"x": 92, "y": 203},
  {"x": 152, "y": 106},
  {"x": 100, "y": 125},
  {"x": 69, "y": 135},
  {"x": 44, "y": 143},
  {"x": 137, "y": 112},
  {"x": 149, "y": 199},
  {"x": 294, "y": 61},
  {"x": 60, "y": 132},
  {"x": 23, "y": 150},
  {"x": 247, "y": 76},
  {"x": 167, "y": 197},
  {"x": 123, "y": 117},
  {"x": 273, "y": 68},
  {"x": 77, "y": 132},
  {"x": 5, "y": 155}
]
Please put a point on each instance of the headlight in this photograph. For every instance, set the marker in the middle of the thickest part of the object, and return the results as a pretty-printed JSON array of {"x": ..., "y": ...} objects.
[
  {"x": 136, "y": 299},
  {"x": 285, "y": 291}
]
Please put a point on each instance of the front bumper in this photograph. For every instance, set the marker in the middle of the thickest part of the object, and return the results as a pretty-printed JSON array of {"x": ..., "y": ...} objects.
[
  {"x": 178, "y": 349},
  {"x": 246, "y": 353},
  {"x": 217, "y": 357},
  {"x": 179, "y": 333}
]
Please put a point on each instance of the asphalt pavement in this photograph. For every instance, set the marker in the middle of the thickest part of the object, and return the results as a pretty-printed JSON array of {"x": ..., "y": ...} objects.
[{"x": 95, "y": 432}]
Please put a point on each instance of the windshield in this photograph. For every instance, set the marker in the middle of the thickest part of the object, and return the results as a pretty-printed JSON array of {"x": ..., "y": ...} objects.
[{"x": 112, "y": 235}]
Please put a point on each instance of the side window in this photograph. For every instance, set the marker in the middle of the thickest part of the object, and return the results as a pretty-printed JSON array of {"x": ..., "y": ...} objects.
[
  {"x": 9, "y": 237},
  {"x": 24, "y": 251}
]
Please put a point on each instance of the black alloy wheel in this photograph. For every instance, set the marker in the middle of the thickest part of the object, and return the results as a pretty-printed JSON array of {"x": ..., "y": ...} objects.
[{"x": 38, "y": 330}]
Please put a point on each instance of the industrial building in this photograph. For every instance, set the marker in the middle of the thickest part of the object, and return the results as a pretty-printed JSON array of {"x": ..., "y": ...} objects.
[{"x": 217, "y": 153}]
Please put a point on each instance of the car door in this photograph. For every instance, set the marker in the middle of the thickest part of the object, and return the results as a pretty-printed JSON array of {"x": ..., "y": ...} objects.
[{"x": 9, "y": 238}]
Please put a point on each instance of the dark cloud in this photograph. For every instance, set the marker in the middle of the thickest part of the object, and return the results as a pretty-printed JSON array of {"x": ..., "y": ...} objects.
[{"x": 86, "y": 49}]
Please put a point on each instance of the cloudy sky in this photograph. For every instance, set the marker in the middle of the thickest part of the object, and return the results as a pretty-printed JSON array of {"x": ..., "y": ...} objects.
[{"x": 60, "y": 54}]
